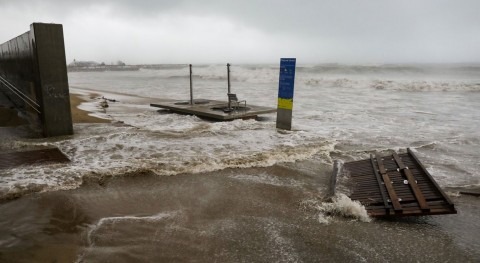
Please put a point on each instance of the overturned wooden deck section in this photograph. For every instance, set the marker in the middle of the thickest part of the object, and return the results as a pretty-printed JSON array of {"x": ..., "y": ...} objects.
[
  {"x": 35, "y": 157},
  {"x": 213, "y": 109},
  {"x": 397, "y": 185}
]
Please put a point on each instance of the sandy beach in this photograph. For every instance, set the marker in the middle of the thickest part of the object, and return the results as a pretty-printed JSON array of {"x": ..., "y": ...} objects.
[{"x": 82, "y": 116}]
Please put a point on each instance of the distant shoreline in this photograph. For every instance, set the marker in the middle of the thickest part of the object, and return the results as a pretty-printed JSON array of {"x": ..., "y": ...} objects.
[{"x": 101, "y": 68}]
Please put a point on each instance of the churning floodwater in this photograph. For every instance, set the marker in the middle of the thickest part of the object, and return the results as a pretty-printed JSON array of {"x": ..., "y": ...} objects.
[{"x": 340, "y": 112}]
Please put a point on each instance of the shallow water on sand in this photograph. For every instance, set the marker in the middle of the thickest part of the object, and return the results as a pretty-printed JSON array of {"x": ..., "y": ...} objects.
[{"x": 249, "y": 215}]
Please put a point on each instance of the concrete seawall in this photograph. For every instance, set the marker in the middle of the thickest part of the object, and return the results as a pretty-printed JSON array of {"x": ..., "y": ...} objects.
[{"x": 33, "y": 75}]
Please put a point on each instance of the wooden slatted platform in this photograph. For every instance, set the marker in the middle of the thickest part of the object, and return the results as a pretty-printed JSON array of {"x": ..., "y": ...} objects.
[
  {"x": 213, "y": 109},
  {"x": 14, "y": 159},
  {"x": 397, "y": 185}
]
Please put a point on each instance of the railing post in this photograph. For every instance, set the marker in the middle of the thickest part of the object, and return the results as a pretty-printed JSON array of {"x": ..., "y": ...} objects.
[
  {"x": 191, "y": 85},
  {"x": 228, "y": 78}
]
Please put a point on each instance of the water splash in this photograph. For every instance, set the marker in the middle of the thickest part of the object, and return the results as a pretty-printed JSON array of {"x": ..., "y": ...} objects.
[{"x": 340, "y": 206}]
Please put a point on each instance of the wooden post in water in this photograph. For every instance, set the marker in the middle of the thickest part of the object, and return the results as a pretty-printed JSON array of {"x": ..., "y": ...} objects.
[{"x": 191, "y": 85}]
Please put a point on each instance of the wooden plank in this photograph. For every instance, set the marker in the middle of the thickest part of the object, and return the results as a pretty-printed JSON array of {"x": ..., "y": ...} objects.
[
  {"x": 398, "y": 160},
  {"x": 414, "y": 157},
  {"x": 391, "y": 192},
  {"x": 411, "y": 181},
  {"x": 403, "y": 192},
  {"x": 434, "y": 204},
  {"x": 414, "y": 212},
  {"x": 381, "y": 167},
  {"x": 388, "y": 184},
  {"x": 379, "y": 182}
]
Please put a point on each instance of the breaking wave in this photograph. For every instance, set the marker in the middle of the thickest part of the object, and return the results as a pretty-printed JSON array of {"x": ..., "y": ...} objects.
[
  {"x": 419, "y": 86},
  {"x": 395, "y": 85},
  {"x": 105, "y": 151},
  {"x": 340, "y": 205}
]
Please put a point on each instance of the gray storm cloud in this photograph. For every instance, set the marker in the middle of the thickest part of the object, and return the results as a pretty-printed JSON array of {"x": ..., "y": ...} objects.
[{"x": 257, "y": 31}]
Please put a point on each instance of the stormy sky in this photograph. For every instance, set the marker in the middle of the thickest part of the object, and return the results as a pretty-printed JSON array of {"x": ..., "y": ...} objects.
[{"x": 220, "y": 31}]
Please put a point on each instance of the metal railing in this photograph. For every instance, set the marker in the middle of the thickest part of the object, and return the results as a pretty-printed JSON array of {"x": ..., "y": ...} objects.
[{"x": 33, "y": 104}]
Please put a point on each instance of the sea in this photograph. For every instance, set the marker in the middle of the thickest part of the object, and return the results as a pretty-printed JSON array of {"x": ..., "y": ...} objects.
[{"x": 158, "y": 186}]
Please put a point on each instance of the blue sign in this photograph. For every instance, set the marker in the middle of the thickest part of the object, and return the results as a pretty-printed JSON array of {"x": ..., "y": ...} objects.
[{"x": 286, "y": 83}]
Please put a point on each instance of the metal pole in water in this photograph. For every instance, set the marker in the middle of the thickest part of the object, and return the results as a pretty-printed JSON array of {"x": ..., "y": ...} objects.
[
  {"x": 191, "y": 85},
  {"x": 228, "y": 78}
]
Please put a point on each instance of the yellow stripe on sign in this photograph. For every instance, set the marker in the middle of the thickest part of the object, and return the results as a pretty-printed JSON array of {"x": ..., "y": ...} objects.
[{"x": 285, "y": 104}]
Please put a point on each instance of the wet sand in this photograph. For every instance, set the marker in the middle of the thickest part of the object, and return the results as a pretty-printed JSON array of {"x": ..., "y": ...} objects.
[
  {"x": 82, "y": 116},
  {"x": 234, "y": 215}
]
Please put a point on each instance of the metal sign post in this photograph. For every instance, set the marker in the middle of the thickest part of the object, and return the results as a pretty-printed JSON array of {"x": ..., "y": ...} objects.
[
  {"x": 285, "y": 93},
  {"x": 228, "y": 76}
]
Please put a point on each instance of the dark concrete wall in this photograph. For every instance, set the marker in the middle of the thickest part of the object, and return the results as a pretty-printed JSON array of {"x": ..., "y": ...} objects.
[
  {"x": 52, "y": 83},
  {"x": 17, "y": 68},
  {"x": 34, "y": 63}
]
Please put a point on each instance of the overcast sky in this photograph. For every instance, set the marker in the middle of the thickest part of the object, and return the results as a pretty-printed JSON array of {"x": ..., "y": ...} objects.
[{"x": 244, "y": 31}]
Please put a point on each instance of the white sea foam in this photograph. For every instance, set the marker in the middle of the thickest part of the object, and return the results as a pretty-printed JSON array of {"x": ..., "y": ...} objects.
[
  {"x": 348, "y": 111},
  {"x": 111, "y": 221},
  {"x": 198, "y": 147},
  {"x": 264, "y": 178},
  {"x": 119, "y": 219},
  {"x": 342, "y": 205}
]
